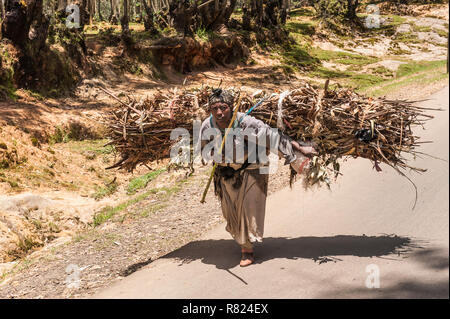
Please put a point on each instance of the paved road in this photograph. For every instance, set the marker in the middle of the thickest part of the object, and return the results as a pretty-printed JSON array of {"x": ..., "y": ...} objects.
[{"x": 322, "y": 244}]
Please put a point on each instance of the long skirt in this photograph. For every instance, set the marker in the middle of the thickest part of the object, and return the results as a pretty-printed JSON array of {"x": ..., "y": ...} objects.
[{"x": 243, "y": 199}]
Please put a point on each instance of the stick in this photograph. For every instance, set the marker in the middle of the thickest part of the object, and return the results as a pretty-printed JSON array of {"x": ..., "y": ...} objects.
[{"x": 115, "y": 97}]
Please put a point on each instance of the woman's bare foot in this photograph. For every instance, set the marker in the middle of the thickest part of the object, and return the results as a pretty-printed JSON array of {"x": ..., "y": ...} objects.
[{"x": 248, "y": 257}]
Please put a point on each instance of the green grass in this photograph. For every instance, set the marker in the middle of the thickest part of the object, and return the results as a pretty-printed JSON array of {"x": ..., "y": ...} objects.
[
  {"x": 418, "y": 28},
  {"x": 361, "y": 80},
  {"x": 166, "y": 191},
  {"x": 303, "y": 12},
  {"x": 205, "y": 35},
  {"x": 396, "y": 20},
  {"x": 347, "y": 78},
  {"x": 421, "y": 66},
  {"x": 382, "y": 76},
  {"x": 96, "y": 146},
  {"x": 142, "y": 181},
  {"x": 341, "y": 57},
  {"x": 383, "y": 71},
  {"x": 152, "y": 209},
  {"x": 108, "y": 212},
  {"x": 107, "y": 190},
  {"x": 297, "y": 56},
  {"x": 304, "y": 28},
  {"x": 408, "y": 37},
  {"x": 441, "y": 33},
  {"x": 421, "y": 79},
  {"x": 425, "y": 72}
]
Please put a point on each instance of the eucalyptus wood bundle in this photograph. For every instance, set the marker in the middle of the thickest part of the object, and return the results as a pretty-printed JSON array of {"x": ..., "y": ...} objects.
[
  {"x": 340, "y": 123},
  {"x": 140, "y": 131}
]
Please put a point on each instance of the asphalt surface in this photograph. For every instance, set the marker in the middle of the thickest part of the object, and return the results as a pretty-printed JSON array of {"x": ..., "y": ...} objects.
[{"x": 362, "y": 239}]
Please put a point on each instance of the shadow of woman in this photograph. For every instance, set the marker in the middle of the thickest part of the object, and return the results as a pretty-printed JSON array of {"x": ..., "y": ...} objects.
[{"x": 225, "y": 254}]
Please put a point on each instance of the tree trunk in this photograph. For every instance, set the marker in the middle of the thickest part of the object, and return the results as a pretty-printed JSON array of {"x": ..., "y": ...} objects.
[
  {"x": 352, "y": 5},
  {"x": 115, "y": 12},
  {"x": 148, "y": 21},
  {"x": 246, "y": 15},
  {"x": 283, "y": 11},
  {"x": 62, "y": 4},
  {"x": 181, "y": 14},
  {"x": 100, "y": 17},
  {"x": 124, "y": 22},
  {"x": 268, "y": 13},
  {"x": 2, "y": 10},
  {"x": 25, "y": 24},
  {"x": 91, "y": 11}
]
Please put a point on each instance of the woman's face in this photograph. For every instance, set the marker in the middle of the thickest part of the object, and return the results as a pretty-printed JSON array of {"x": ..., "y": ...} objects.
[{"x": 221, "y": 113}]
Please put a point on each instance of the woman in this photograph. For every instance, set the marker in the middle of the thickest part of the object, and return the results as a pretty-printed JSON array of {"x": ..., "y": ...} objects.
[{"x": 241, "y": 181}]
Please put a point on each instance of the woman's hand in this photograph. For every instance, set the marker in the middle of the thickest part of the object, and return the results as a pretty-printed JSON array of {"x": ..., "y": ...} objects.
[{"x": 307, "y": 150}]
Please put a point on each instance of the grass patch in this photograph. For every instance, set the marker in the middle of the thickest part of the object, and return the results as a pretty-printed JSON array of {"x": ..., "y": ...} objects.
[
  {"x": 74, "y": 131},
  {"x": 418, "y": 28},
  {"x": 167, "y": 191},
  {"x": 420, "y": 66},
  {"x": 382, "y": 70},
  {"x": 107, "y": 190},
  {"x": 205, "y": 35},
  {"x": 421, "y": 73},
  {"x": 152, "y": 209},
  {"x": 408, "y": 37},
  {"x": 418, "y": 79},
  {"x": 303, "y": 12},
  {"x": 347, "y": 78},
  {"x": 361, "y": 81},
  {"x": 142, "y": 181},
  {"x": 13, "y": 183},
  {"x": 96, "y": 146},
  {"x": 441, "y": 33},
  {"x": 397, "y": 20},
  {"x": 297, "y": 56},
  {"x": 304, "y": 28},
  {"x": 108, "y": 212},
  {"x": 163, "y": 194},
  {"x": 342, "y": 57}
]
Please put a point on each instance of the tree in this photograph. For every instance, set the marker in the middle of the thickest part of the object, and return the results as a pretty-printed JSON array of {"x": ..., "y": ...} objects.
[
  {"x": 187, "y": 16},
  {"x": 149, "y": 24},
  {"x": 337, "y": 9},
  {"x": 62, "y": 4},
  {"x": 25, "y": 24},
  {"x": 259, "y": 13},
  {"x": 124, "y": 21},
  {"x": 115, "y": 12},
  {"x": 352, "y": 5},
  {"x": 100, "y": 17},
  {"x": 2, "y": 10}
]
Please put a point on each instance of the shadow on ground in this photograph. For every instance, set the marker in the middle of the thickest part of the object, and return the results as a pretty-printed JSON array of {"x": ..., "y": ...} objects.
[{"x": 225, "y": 254}]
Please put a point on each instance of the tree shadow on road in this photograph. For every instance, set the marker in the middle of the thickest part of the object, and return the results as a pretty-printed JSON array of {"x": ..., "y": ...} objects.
[{"x": 225, "y": 254}]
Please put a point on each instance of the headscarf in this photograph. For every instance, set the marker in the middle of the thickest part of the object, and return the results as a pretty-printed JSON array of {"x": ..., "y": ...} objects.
[{"x": 223, "y": 96}]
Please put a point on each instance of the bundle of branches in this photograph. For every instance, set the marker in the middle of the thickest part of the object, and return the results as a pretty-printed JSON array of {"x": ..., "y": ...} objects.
[
  {"x": 140, "y": 131},
  {"x": 340, "y": 123}
]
